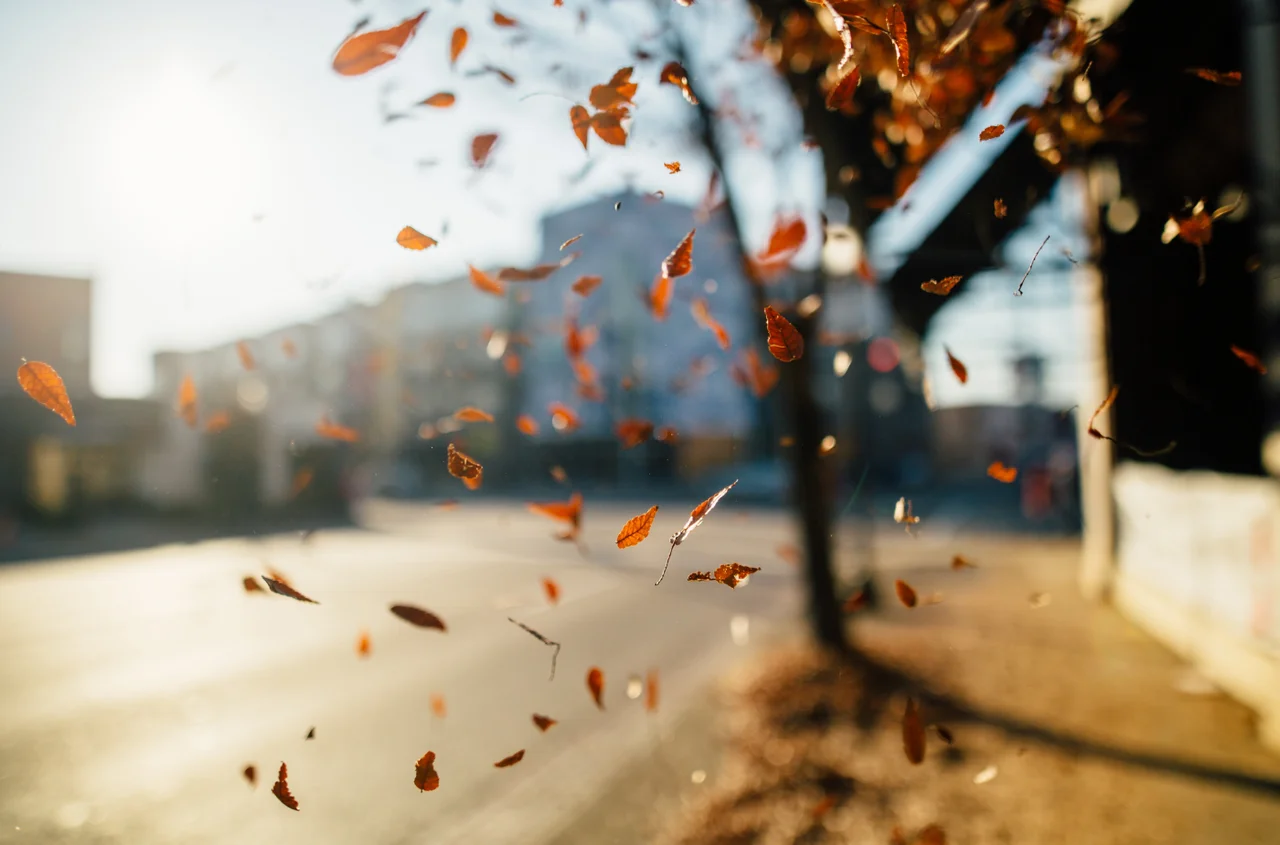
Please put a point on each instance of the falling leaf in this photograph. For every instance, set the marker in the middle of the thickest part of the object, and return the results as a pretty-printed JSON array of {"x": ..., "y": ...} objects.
[
  {"x": 563, "y": 418},
  {"x": 251, "y": 585},
  {"x": 660, "y": 297},
  {"x": 437, "y": 705},
  {"x": 333, "y": 431},
  {"x": 667, "y": 434},
  {"x": 854, "y": 602},
  {"x": 500, "y": 19},
  {"x": 943, "y": 287},
  {"x": 569, "y": 512},
  {"x": 246, "y": 355},
  {"x": 527, "y": 425},
  {"x": 902, "y": 513},
  {"x": 470, "y": 414},
  {"x": 758, "y": 376},
  {"x": 1217, "y": 77},
  {"x": 695, "y": 519},
  {"x": 680, "y": 261},
  {"x": 651, "y": 691},
  {"x": 558, "y": 473},
  {"x": 464, "y": 467},
  {"x": 481, "y": 146},
  {"x": 673, "y": 73},
  {"x": 963, "y": 26},
  {"x": 581, "y": 120},
  {"x": 251, "y": 774},
  {"x": 729, "y": 574},
  {"x": 841, "y": 94},
  {"x": 288, "y": 348},
  {"x": 311, "y": 734},
  {"x": 913, "y": 733},
  {"x": 486, "y": 283},
  {"x": 537, "y": 273},
  {"x": 544, "y": 640},
  {"x": 898, "y": 33},
  {"x": 364, "y": 645},
  {"x": 411, "y": 238},
  {"x": 217, "y": 423},
  {"x": 637, "y": 528},
  {"x": 609, "y": 128},
  {"x": 363, "y": 52},
  {"x": 595, "y": 683},
  {"x": 301, "y": 480},
  {"x": 424, "y": 773},
  {"x": 991, "y": 132},
  {"x": 785, "y": 343},
  {"x": 457, "y": 43},
  {"x": 441, "y": 100},
  {"x": 281, "y": 789},
  {"x": 544, "y": 723},
  {"x": 617, "y": 92},
  {"x": 957, "y": 366},
  {"x": 586, "y": 284},
  {"x": 571, "y": 241},
  {"x": 906, "y": 594},
  {"x": 187, "y": 409},
  {"x": 510, "y": 760},
  {"x": 417, "y": 616},
  {"x": 507, "y": 78},
  {"x": 672, "y": 166},
  {"x": 1002, "y": 473},
  {"x": 1001, "y": 210},
  {"x": 1250, "y": 360},
  {"x": 552, "y": 589},
  {"x": 280, "y": 588},
  {"x": 702, "y": 316},
  {"x": 961, "y": 562},
  {"x": 633, "y": 432},
  {"x": 945, "y": 734}
]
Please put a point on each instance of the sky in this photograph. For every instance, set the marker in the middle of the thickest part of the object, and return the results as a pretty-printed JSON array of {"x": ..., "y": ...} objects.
[{"x": 205, "y": 166}]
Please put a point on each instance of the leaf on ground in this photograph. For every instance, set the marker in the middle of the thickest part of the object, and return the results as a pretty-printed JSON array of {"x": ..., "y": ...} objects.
[
  {"x": 280, "y": 588},
  {"x": 424, "y": 773},
  {"x": 281, "y": 789},
  {"x": 417, "y": 616},
  {"x": 637, "y": 528},
  {"x": 365, "y": 51}
]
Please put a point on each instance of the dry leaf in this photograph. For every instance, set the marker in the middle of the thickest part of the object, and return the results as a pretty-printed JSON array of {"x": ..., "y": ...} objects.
[
  {"x": 333, "y": 431},
  {"x": 485, "y": 283},
  {"x": 464, "y": 467},
  {"x": 510, "y": 760},
  {"x": 217, "y": 423},
  {"x": 617, "y": 92},
  {"x": 991, "y": 132},
  {"x": 581, "y": 120},
  {"x": 651, "y": 691},
  {"x": 424, "y": 773},
  {"x": 957, "y": 366},
  {"x": 913, "y": 733},
  {"x": 552, "y": 589},
  {"x": 470, "y": 414},
  {"x": 43, "y": 384},
  {"x": 898, "y": 34},
  {"x": 544, "y": 723},
  {"x": 785, "y": 343},
  {"x": 411, "y": 238},
  {"x": 251, "y": 774},
  {"x": 246, "y": 355},
  {"x": 633, "y": 432},
  {"x": 943, "y": 287},
  {"x": 680, "y": 261},
  {"x": 440, "y": 100},
  {"x": 481, "y": 146},
  {"x": 841, "y": 94},
  {"x": 695, "y": 519},
  {"x": 569, "y": 512},
  {"x": 702, "y": 316},
  {"x": 1002, "y": 473},
  {"x": 563, "y": 418},
  {"x": 500, "y": 19},
  {"x": 538, "y": 273},
  {"x": 527, "y": 425},
  {"x": 438, "y": 705},
  {"x": 637, "y": 528},
  {"x": 570, "y": 242},
  {"x": 457, "y": 43},
  {"x": 660, "y": 297},
  {"x": 733, "y": 574},
  {"x": 281, "y": 789},
  {"x": 586, "y": 284},
  {"x": 673, "y": 73},
  {"x": 1250, "y": 360},
  {"x": 595, "y": 683},
  {"x": 500, "y": 73},
  {"x": 962, "y": 562},
  {"x": 365, "y": 51},
  {"x": 1001, "y": 210},
  {"x": 364, "y": 645},
  {"x": 251, "y": 585},
  {"x": 417, "y": 616},
  {"x": 280, "y": 588},
  {"x": 672, "y": 166},
  {"x": 1229, "y": 77},
  {"x": 608, "y": 126},
  {"x": 187, "y": 408},
  {"x": 906, "y": 594}
]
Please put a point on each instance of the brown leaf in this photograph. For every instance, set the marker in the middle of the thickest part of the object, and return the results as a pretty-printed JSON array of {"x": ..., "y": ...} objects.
[
  {"x": 572, "y": 240},
  {"x": 527, "y": 425},
  {"x": 1251, "y": 361},
  {"x": 633, "y": 432},
  {"x": 906, "y": 594},
  {"x": 438, "y": 705},
  {"x": 246, "y": 355},
  {"x": 651, "y": 691},
  {"x": 187, "y": 408},
  {"x": 217, "y": 423},
  {"x": 43, "y": 384},
  {"x": 457, "y": 43},
  {"x": 464, "y": 467},
  {"x": 251, "y": 585},
  {"x": 672, "y": 166},
  {"x": 439, "y": 100},
  {"x": 957, "y": 366},
  {"x": 733, "y": 574},
  {"x": 637, "y": 528},
  {"x": 570, "y": 511},
  {"x": 991, "y": 132},
  {"x": 251, "y": 774},
  {"x": 563, "y": 418},
  {"x": 538, "y": 272},
  {"x": 510, "y": 760},
  {"x": 595, "y": 683},
  {"x": 755, "y": 374},
  {"x": 898, "y": 34},
  {"x": 333, "y": 431},
  {"x": 695, "y": 519},
  {"x": 942, "y": 288},
  {"x": 411, "y": 238},
  {"x": 281, "y": 789},
  {"x": 500, "y": 73},
  {"x": 424, "y": 773},
  {"x": 913, "y": 733},
  {"x": 364, "y": 645},
  {"x": 785, "y": 343},
  {"x": 608, "y": 125},
  {"x": 1001, "y": 210},
  {"x": 365, "y": 51},
  {"x": 500, "y": 19},
  {"x": 552, "y": 589},
  {"x": 481, "y": 146},
  {"x": 417, "y": 616},
  {"x": 660, "y": 297},
  {"x": 680, "y": 261},
  {"x": 854, "y": 602},
  {"x": 961, "y": 562},
  {"x": 1002, "y": 473},
  {"x": 618, "y": 91},
  {"x": 280, "y": 588},
  {"x": 699, "y": 576},
  {"x": 1217, "y": 77},
  {"x": 702, "y": 316},
  {"x": 485, "y": 283},
  {"x": 470, "y": 414},
  {"x": 581, "y": 120},
  {"x": 841, "y": 94},
  {"x": 544, "y": 723},
  {"x": 586, "y": 284},
  {"x": 301, "y": 480},
  {"x": 673, "y": 73},
  {"x": 667, "y": 434}
]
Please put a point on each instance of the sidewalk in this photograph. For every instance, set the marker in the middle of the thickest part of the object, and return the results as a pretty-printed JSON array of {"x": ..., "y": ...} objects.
[{"x": 1084, "y": 729}]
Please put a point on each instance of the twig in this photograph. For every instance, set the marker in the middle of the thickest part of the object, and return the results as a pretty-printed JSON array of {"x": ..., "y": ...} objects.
[
  {"x": 1018, "y": 292},
  {"x": 937, "y": 121},
  {"x": 544, "y": 641},
  {"x": 856, "y": 491}
]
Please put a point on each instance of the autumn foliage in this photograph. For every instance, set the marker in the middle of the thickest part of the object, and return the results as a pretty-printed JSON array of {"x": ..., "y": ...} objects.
[{"x": 43, "y": 384}]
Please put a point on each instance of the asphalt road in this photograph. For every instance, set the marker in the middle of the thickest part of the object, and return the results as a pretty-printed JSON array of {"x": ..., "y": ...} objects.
[{"x": 135, "y": 687}]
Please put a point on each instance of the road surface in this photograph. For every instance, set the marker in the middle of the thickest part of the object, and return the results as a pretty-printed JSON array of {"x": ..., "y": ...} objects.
[{"x": 137, "y": 686}]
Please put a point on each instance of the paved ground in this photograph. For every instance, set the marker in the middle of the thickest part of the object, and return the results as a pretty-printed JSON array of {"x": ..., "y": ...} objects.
[{"x": 137, "y": 686}]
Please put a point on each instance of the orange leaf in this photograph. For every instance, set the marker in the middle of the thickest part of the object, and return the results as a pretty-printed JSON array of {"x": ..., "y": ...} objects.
[
  {"x": 672, "y": 166},
  {"x": 363, "y": 52},
  {"x": 552, "y": 589},
  {"x": 758, "y": 376},
  {"x": 500, "y": 19},
  {"x": 251, "y": 774},
  {"x": 841, "y": 94},
  {"x": 595, "y": 683},
  {"x": 702, "y": 316},
  {"x": 470, "y": 414},
  {"x": 251, "y": 585},
  {"x": 855, "y": 602},
  {"x": 1001, "y": 210},
  {"x": 485, "y": 283},
  {"x": 417, "y": 616},
  {"x": 991, "y": 132},
  {"x": 695, "y": 519},
  {"x": 942, "y": 288},
  {"x": 581, "y": 120},
  {"x": 544, "y": 723},
  {"x": 43, "y": 384},
  {"x": 281, "y": 789},
  {"x": 481, "y": 146},
  {"x": 660, "y": 297},
  {"x": 463, "y": 466},
  {"x": 906, "y": 594},
  {"x": 651, "y": 691},
  {"x": 217, "y": 423},
  {"x": 633, "y": 432},
  {"x": 457, "y": 43},
  {"x": 424, "y": 773},
  {"x": 898, "y": 33},
  {"x": 301, "y": 480},
  {"x": 441, "y": 100},
  {"x": 527, "y": 425},
  {"x": 618, "y": 91},
  {"x": 667, "y": 434},
  {"x": 961, "y": 562},
  {"x": 363, "y": 644},
  {"x": 957, "y": 366},
  {"x": 673, "y": 73},
  {"x": 334, "y": 431},
  {"x": 586, "y": 284},
  {"x": 280, "y": 588},
  {"x": 1251, "y": 361},
  {"x": 438, "y": 705},
  {"x": 187, "y": 401},
  {"x": 609, "y": 127},
  {"x": 537, "y": 273},
  {"x": 246, "y": 355},
  {"x": 570, "y": 511},
  {"x": 411, "y": 238},
  {"x": 637, "y": 528},
  {"x": 785, "y": 343},
  {"x": 510, "y": 760},
  {"x": 1218, "y": 77},
  {"x": 913, "y": 733},
  {"x": 680, "y": 261},
  {"x": 558, "y": 473},
  {"x": 563, "y": 417},
  {"x": 1002, "y": 473},
  {"x": 572, "y": 240},
  {"x": 733, "y": 574}
]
